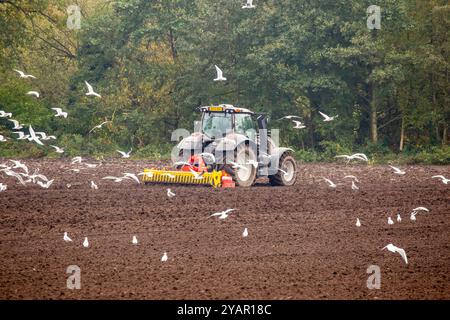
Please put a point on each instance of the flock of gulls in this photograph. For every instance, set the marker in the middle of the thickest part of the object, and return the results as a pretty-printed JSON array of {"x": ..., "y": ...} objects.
[{"x": 23, "y": 175}]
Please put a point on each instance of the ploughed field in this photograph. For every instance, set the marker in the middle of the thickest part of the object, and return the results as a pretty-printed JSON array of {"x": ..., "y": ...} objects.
[{"x": 302, "y": 242}]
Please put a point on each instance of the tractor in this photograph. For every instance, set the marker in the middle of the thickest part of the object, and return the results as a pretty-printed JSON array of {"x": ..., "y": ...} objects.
[{"x": 231, "y": 146}]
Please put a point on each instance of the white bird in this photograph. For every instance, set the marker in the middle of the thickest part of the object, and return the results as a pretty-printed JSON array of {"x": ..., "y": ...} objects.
[
  {"x": 45, "y": 137},
  {"x": 90, "y": 166},
  {"x": 352, "y": 177},
  {"x": 94, "y": 185},
  {"x": 222, "y": 214},
  {"x": 331, "y": 184},
  {"x": 421, "y": 209},
  {"x": 398, "y": 171},
  {"x": 17, "y": 125},
  {"x": 19, "y": 165},
  {"x": 298, "y": 125},
  {"x": 358, "y": 223},
  {"x": 99, "y": 126},
  {"x": 58, "y": 149},
  {"x": 220, "y": 76},
  {"x": 398, "y": 250},
  {"x": 237, "y": 166},
  {"x": 2, "y": 138},
  {"x": 249, "y": 5},
  {"x": 60, "y": 113},
  {"x": 23, "y": 75},
  {"x": 4, "y": 114},
  {"x": 327, "y": 118},
  {"x": 354, "y": 186},
  {"x": 66, "y": 237},
  {"x": 289, "y": 117},
  {"x": 134, "y": 241},
  {"x": 413, "y": 217},
  {"x": 125, "y": 154},
  {"x": 253, "y": 163},
  {"x": 33, "y": 137},
  {"x": 210, "y": 158},
  {"x": 91, "y": 91},
  {"x": 358, "y": 156},
  {"x": 131, "y": 176},
  {"x": 443, "y": 179},
  {"x": 77, "y": 160},
  {"x": 283, "y": 171},
  {"x": 390, "y": 221},
  {"x": 33, "y": 93},
  {"x": 15, "y": 175},
  {"x": 45, "y": 185},
  {"x": 197, "y": 175},
  {"x": 169, "y": 175},
  {"x": 399, "y": 219},
  {"x": 164, "y": 257},
  {"x": 245, "y": 233},
  {"x": 22, "y": 135},
  {"x": 85, "y": 242},
  {"x": 170, "y": 194},
  {"x": 116, "y": 179},
  {"x": 3, "y": 187}
]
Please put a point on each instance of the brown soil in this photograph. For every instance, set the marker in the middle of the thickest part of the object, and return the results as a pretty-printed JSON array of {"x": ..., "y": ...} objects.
[{"x": 302, "y": 243}]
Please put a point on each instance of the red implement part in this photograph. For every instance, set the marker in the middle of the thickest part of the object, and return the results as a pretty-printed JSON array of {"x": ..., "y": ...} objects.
[{"x": 197, "y": 164}]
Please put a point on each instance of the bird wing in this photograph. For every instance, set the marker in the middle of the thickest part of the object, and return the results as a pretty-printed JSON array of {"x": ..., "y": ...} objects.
[
  {"x": 402, "y": 252},
  {"x": 440, "y": 177},
  {"x": 395, "y": 168},
  {"x": 90, "y": 89},
  {"x": 20, "y": 72},
  {"x": 324, "y": 115},
  {"x": 219, "y": 72}
]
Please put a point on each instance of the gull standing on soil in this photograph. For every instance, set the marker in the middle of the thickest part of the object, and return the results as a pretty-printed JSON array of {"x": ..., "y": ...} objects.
[
  {"x": 91, "y": 91},
  {"x": 164, "y": 257},
  {"x": 245, "y": 233},
  {"x": 327, "y": 118},
  {"x": 66, "y": 238},
  {"x": 17, "y": 125},
  {"x": 358, "y": 223},
  {"x": 390, "y": 221},
  {"x": 77, "y": 160},
  {"x": 86, "y": 242},
  {"x": 23, "y": 75},
  {"x": 220, "y": 76},
  {"x": 134, "y": 240},
  {"x": 398, "y": 171},
  {"x": 60, "y": 113},
  {"x": 94, "y": 186},
  {"x": 58, "y": 149},
  {"x": 398, "y": 250},
  {"x": 443, "y": 179},
  {"x": 3, "y": 187},
  {"x": 249, "y": 5},
  {"x": 222, "y": 214},
  {"x": 399, "y": 219},
  {"x": 170, "y": 194},
  {"x": 33, "y": 93},
  {"x": 125, "y": 154}
]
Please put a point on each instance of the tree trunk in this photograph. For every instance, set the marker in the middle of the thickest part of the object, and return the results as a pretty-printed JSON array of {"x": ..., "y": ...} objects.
[
  {"x": 445, "y": 135},
  {"x": 373, "y": 116},
  {"x": 402, "y": 135}
]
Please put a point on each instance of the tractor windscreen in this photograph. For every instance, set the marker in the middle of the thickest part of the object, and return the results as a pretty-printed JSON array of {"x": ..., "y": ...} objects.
[{"x": 216, "y": 125}]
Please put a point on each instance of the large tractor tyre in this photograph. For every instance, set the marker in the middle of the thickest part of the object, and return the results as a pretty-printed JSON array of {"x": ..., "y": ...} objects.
[
  {"x": 243, "y": 177},
  {"x": 287, "y": 178}
]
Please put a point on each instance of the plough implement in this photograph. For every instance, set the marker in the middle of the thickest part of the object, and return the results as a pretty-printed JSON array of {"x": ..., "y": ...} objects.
[{"x": 194, "y": 173}]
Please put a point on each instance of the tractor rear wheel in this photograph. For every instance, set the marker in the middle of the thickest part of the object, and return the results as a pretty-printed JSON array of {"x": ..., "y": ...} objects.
[
  {"x": 245, "y": 175},
  {"x": 288, "y": 173}
]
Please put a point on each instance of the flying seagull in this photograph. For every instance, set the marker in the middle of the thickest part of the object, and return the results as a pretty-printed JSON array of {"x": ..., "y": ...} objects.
[
  {"x": 331, "y": 184},
  {"x": 77, "y": 160},
  {"x": 125, "y": 154},
  {"x": 249, "y": 5},
  {"x": 443, "y": 179},
  {"x": 60, "y": 113},
  {"x": 290, "y": 117},
  {"x": 398, "y": 250},
  {"x": 99, "y": 126},
  {"x": 398, "y": 171},
  {"x": 33, "y": 137},
  {"x": 416, "y": 211},
  {"x": 17, "y": 125},
  {"x": 33, "y": 93},
  {"x": 220, "y": 76},
  {"x": 358, "y": 156},
  {"x": 352, "y": 177},
  {"x": 45, "y": 185},
  {"x": 327, "y": 118},
  {"x": 4, "y": 114},
  {"x": 22, "y": 135},
  {"x": 197, "y": 175},
  {"x": 2, "y": 138},
  {"x": 298, "y": 125},
  {"x": 222, "y": 214},
  {"x": 23, "y": 75},
  {"x": 91, "y": 91},
  {"x": 58, "y": 149},
  {"x": 131, "y": 176}
]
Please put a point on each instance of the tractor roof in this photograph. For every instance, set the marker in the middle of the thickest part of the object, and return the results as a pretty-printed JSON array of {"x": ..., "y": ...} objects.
[{"x": 225, "y": 108}]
